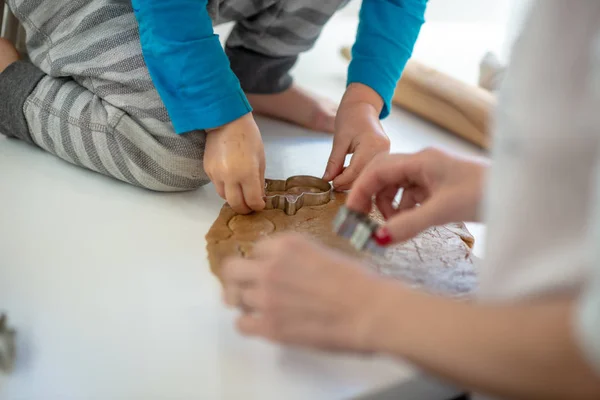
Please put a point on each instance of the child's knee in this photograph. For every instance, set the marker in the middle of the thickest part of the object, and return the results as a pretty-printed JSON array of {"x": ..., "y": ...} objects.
[
  {"x": 176, "y": 182},
  {"x": 160, "y": 160}
]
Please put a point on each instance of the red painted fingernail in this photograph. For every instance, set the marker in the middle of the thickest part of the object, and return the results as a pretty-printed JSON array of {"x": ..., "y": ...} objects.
[{"x": 383, "y": 237}]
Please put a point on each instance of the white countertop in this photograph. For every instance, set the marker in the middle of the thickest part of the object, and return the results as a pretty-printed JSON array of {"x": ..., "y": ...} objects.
[{"x": 109, "y": 286}]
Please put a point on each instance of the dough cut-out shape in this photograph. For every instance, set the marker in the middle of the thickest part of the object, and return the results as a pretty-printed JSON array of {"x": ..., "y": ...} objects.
[{"x": 292, "y": 194}]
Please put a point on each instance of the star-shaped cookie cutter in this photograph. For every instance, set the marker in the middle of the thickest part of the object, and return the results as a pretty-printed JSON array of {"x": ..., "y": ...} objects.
[{"x": 292, "y": 194}]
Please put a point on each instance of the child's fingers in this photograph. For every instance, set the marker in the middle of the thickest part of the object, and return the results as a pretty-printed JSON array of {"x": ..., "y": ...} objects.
[
  {"x": 220, "y": 188},
  {"x": 253, "y": 194},
  {"x": 262, "y": 177},
  {"x": 235, "y": 198},
  {"x": 358, "y": 162},
  {"x": 335, "y": 164},
  {"x": 343, "y": 188}
]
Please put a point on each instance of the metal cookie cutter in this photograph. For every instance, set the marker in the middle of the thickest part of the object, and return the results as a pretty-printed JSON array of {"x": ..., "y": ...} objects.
[
  {"x": 7, "y": 345},
  {"x": 292, "y": 194},
  {"x": 358, "y": 228}
]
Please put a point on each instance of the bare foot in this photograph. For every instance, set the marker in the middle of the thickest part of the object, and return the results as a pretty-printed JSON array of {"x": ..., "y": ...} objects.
[
  {"x": 297, "y": 106},
  {"x": 8, "y": 54}
]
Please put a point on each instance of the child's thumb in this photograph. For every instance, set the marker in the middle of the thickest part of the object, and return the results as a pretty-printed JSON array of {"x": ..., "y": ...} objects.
[{"x": 335, "y": 164}]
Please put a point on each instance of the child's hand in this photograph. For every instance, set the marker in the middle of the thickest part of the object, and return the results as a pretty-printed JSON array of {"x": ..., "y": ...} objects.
[
  {"x": 234, "y": 160},
  {"x": 358, "y": 131}
]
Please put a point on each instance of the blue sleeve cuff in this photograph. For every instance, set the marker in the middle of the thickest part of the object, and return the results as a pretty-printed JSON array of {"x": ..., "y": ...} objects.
[
  {"x": 365, "y": 71},
  {"x": 385, "y": 40},
  {"x": 196, "y": 84},
  {"x": 187, "y": 64},
  {"x": 226, "y": 109}
]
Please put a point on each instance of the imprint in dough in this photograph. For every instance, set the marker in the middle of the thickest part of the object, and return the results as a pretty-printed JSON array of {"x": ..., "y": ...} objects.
[{"x": 246, "y": 227}]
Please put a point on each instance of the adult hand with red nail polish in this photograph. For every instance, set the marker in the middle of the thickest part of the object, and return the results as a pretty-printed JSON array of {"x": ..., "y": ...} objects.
[
  {"x": 437, "y": 188},
  {"x": 295, "y": 291}
]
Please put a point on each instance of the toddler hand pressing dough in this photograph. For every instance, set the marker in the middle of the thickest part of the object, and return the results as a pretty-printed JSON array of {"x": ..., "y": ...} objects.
[
  {"x": 234, "y": 160},
  {"x": 358, "y": 131}
]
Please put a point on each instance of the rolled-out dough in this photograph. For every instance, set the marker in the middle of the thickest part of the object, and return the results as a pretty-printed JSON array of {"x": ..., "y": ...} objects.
[{"x": 438, "y": 260}]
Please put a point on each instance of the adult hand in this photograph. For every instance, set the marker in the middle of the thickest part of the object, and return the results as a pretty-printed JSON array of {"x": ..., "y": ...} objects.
[
  {"x": 234, "y": 160},
  {"x": 358, "y": 131},
  {"x": 438, "y": 189},
  {"x": 294, "y": 291}
]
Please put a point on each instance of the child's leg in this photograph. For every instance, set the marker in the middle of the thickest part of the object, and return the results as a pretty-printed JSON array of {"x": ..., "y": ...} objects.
[
  {"x": 94, "y": 104},
  {"x": 8, "y": 54},
  {"x": 264, "y": 46}
]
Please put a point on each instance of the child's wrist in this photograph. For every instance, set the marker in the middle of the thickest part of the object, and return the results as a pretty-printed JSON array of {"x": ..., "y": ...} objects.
[
  {"x": 357, "y": 93},
  {"x": 235, "y": 121}
]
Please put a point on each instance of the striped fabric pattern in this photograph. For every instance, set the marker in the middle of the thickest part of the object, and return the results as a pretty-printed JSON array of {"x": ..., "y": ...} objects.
[{"x": 97, "y": 106}]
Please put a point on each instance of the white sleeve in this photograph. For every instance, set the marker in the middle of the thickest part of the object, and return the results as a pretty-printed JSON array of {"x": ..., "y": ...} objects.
[
  {"x": 588, "y": 312},
  {"x": 589, "y": 322}
]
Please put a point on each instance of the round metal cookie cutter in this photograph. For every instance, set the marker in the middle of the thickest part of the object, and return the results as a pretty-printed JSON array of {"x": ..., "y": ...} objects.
[{"x": 292, "y": 194}]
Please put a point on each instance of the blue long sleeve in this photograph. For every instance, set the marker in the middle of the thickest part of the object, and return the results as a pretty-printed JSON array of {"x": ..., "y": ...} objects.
[
  {"x": 188, "y": 65},
  {"x": 387, "y": 33}
]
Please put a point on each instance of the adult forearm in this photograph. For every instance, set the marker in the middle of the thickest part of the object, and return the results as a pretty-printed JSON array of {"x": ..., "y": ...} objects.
[{"x": 524, "y": 351}]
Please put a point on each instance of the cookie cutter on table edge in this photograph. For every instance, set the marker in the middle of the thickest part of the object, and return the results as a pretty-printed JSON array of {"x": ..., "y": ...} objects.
[{"x": 290, "y": 203}]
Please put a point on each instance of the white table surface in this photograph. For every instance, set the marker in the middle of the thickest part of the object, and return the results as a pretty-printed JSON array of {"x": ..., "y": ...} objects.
[{"x": 109, "y": 286}]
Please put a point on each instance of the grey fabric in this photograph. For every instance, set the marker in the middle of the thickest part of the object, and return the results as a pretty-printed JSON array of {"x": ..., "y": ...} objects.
[
  {"x": 96, "y": 106},
  {"x": 263, "y": 47},
  {"x": 17, "y": 82},
  {"x": 260, "y": 74}
]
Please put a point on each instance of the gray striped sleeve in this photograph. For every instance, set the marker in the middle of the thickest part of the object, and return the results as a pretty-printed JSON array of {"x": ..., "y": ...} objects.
[{"x": 17, "y": 81}]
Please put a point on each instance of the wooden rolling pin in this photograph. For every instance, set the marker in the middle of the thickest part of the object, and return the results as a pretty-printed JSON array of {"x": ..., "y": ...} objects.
[{"x": 460, "y": 108}]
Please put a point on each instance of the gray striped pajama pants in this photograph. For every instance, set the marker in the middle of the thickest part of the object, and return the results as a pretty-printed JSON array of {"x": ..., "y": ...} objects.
[{"x": 87, "y": 97}]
